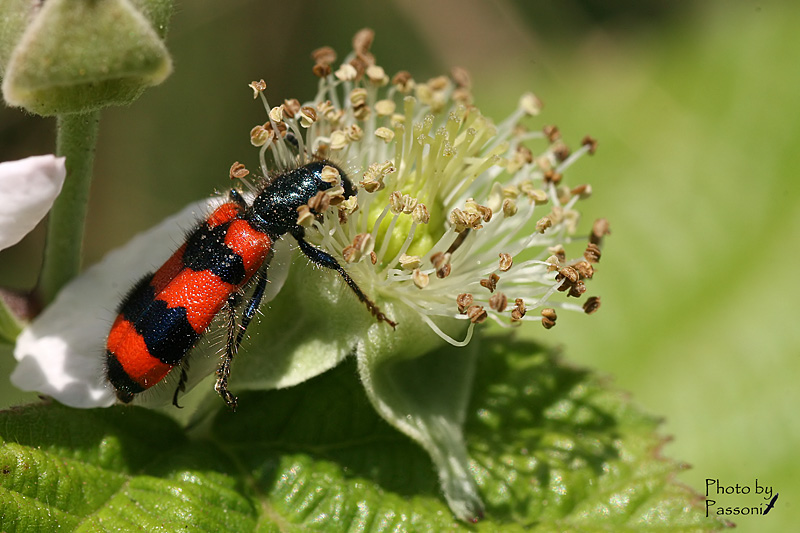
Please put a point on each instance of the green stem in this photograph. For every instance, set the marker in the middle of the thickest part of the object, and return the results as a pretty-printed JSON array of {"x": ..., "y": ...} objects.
[
  {"x": 9, "y": 325},
  {"x": 77, "y": 136}
]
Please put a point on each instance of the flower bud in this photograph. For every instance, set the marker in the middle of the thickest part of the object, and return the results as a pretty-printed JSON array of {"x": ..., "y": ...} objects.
[{"x": 77, "y": 56}]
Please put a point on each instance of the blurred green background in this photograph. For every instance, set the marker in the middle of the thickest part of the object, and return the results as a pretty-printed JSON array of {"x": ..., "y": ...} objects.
[{"x": 696, "y": 109}]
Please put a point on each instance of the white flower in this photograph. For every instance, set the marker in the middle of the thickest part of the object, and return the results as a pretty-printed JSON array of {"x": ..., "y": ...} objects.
[
  {"x": 28, "y": 188},
  {"x": 456, "y": 220}
]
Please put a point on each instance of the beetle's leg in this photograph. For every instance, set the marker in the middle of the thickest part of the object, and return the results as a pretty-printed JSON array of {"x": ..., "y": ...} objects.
[
  {"x": 224, "y": 367},
  {"x": 237, "y": 198},
  {"x": 236, "y": 335},
  {"x": 181, "y": 382},
  {"x": 252, "y": 306},
  {"x": 324, "y": 259}
]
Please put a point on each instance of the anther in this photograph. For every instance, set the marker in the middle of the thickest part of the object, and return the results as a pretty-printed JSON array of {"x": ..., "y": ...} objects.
[
  {"x": 420, "y": 278},
  {"x": 591, "y": 305},
  {"x": 462, "y": 95},
  {"x": 568, "y": 273},
  {"x": 498, "y": 302},
  {"x": 385, "y": 134},
  {"x": 519, "y": 310},
  {"x": 385, "y": 108},
  {"x": 304, "y": 216},
  {"x": 338, "y": 140},
  {"x": 505, "y": 262},
  {"x": 361, "y": 246},
  {"x": 362, "y": 41},
  {"x": 463, "y": 220},
  {"x": 552, "y": 133},
  {"x": 358, "y": 96},
  {"x": 259, "y": 135},
  {"x": 548, "y": 317},
  {"x": 321, "y": 70},
  {"x": 276, "y": 113},
  {"x": 354, "y": 133},
  {"x": 471, "y": 206},
  {"x": 577, "y": 290},
  {"x": 521, "y": 157},
  {"x": 543, "y": 223},
  {"x": 490, "y": 282},
  {"x": 441, "y": 262},
  {"x": 377, "y": 76},
  {"x": 600, "y": 229},
  {"x": 307, "y": 116},
  {"x": 258, "y": 87},
  {"x": 561, "y": 152},
  {"x": 320, "y": 202},
  {"x": 558, "y": 251},
  {"x": 464, "y": 302},
  {"x": 290, "y": 107},
  {"x": 360, "y": 65},
  {"x": 583, "y": 191},
  {"x": 402, "y": 203},
  {"x": 403, "y": 81},
  {"x": 584, "y": 269},
  {"x": 476, "y": 314},
  {"x": 551, "y": 176},
  {"x": 420, "y": 214},
  {"x": 409, "y": 262},
  {"x": 324, "y": 54},
  {"x": 439, "y": 83},
  {"x": 509, "y": 207},
  {"x": 591, "y": 143},
  {"x": 537, "y": 196},
  {"x": 330, "y": 175},
  {"x": 552, "y": 263},
  {"x": 530, "y": 104},
  {"x": 461, "y": 76},
  {"x": 348, "y": 206},
  {"x": 335, "y": 194},
  {"x": 238, "y": 171}
]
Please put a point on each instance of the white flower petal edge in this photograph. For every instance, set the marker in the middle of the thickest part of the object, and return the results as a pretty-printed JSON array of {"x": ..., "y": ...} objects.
[
  {"x": 61, "y": 353},
  {"x": 28, "y": 188}
]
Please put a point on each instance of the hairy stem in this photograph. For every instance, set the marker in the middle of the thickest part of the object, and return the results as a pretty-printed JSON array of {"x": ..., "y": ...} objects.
[{"x": 76, "y": 139}]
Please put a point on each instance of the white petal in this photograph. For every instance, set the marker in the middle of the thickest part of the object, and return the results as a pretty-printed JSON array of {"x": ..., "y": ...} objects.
[
  {"x": 61, "y": 353},
  {"x": 28, "y": 188}
]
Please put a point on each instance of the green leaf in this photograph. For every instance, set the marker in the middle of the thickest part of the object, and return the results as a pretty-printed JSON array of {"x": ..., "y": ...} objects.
[
  {"x": 556, "y": 448},
  {"x": 552, "y": 449},
  {"x": 115, "y": 469}
]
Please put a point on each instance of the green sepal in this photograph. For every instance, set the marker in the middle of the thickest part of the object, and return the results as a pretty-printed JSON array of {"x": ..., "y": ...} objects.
[
  {"x": 422, "y": 387},
  {"x": 14, "y": 18},
  {"x": 78, "y": 56},
  {"x": 158, "y": 12}
]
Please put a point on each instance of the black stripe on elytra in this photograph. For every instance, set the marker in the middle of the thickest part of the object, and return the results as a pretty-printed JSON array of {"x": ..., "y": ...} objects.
[
  {"x": 167, "y": 332},
  {"x": 206, "y": 250},
  {"x": 137, "y": 299},
  {"x": 123, "y": 384}
]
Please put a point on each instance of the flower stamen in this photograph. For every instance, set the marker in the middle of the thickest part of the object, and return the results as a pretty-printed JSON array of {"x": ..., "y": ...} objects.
[{"x": 462, "y": 192}]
